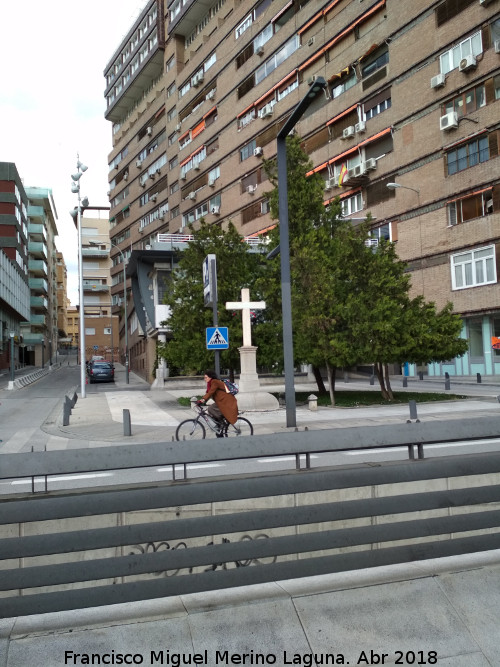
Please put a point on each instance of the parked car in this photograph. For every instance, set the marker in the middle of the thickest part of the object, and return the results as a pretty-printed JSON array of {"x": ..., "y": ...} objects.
[
  {"x": 100, "y": 371},
  {"x": 94, "y": 358}
]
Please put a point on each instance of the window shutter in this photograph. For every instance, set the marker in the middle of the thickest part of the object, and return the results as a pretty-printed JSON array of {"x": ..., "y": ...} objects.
[
  {"x": 496, "y": 198},
  {"x": 315, "y": 141}
]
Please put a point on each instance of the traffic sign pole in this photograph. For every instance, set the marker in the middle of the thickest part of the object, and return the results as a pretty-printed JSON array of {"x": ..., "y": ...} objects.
[{"x": 214, "y": 312}]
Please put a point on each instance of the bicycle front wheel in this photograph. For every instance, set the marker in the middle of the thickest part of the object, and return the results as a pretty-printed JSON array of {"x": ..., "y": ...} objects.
[
  {"x": 242, "y": 427},
  {"x": 190, "y": 429}
]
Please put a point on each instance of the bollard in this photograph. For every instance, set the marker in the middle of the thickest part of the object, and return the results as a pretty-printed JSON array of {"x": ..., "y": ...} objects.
[
  {"x": 420, "y": 375},
  {"x": 413, "y": 409},
  {"x": 478, "y": 377},
  {"x": 372, "y": 379},
  {"x": 75, "y": 398},
  {"x": 127, "y": 429},
  {"x": 447, "y": 383},
  {"x": 313, "y": 402},
  {"x": 66, "y": 413},
  {"x": 405, "y": 381},
  {"x": 346, "y": 377},
  {"x": 446, "y": 375},
  {"x": 193, "y": 400}
]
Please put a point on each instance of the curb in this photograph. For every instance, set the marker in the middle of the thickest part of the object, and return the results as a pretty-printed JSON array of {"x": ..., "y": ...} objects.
[{"x": 25, "y": 380}]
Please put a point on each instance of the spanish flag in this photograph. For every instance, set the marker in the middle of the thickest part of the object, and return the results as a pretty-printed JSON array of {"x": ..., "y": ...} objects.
[{"x": 342, "y": 175}]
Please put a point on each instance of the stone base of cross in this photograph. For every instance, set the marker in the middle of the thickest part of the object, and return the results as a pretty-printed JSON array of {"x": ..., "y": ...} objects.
[{"x": 250, "y": 397}]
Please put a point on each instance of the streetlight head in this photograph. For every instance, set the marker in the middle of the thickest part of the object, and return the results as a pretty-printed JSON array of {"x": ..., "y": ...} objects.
[
  {"x": 74, "y": 212},
  {"x": 76, "y": 177},
  {"x": 316, "y": 87},
  {"x": 393, "y": 186},
  {"x": 81, "y": 166},
  {"x": 75, "y": 187},
  {"x": 85, "y": 202}
]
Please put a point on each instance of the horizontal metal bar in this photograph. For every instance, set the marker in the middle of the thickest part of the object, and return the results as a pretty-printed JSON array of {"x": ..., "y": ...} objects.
[
  {"x": 276, "y": 444},
  {"x": 170, "y": 494},
  {"x": 115, "y": 536},
  {"x": 242, "y": 576},
  {"x": 173, "y": 559}
]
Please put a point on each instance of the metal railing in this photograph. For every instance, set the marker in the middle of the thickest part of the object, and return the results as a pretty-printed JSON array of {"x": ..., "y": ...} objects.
[{"x": 294, "y": 523}]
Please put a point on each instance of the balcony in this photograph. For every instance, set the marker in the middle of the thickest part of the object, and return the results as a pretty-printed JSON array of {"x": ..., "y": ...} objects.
[
  {"x": 37, "y": 232},
  {"x": 38, "y": 320},
  {"x": 39, "y": 303},
  {"x": 39, "y": 285},
  {"x": 36, "y": 213},
  {"x": 37, "y": 267},
  {"x": 90, "y": 251},
  {"x": 192, "y": 12},
  {"x": 37, "y": 249},
  {"x": 90, "y": 286}
]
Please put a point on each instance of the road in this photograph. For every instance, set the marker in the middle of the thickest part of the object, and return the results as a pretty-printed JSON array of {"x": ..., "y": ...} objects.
[{"x": 23, "y": 412}]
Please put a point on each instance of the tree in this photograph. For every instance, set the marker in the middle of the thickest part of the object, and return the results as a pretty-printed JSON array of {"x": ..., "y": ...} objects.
[{"x": 237, "y": 267}]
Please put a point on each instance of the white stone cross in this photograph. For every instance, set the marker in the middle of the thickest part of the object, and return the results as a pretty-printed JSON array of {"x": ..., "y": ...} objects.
[{"x": 245, "y": 305}]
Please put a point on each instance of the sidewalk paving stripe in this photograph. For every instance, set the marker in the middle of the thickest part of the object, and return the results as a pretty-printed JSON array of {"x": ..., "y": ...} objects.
[
  {"x": 17, "y": 441},
  {"x": 143, "y": 411}
]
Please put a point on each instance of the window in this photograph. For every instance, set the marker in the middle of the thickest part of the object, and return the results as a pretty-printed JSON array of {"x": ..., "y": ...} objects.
[
  {"x": 473, "y": 268},
  {"x": 247, "y": 150},
  {"x": 467, "y": 102},
  {"x": 275, "y": 61},
  {"x": 171, "y": 114},
  {"x": 475, "y": 206},
  {"x": 467, "y": 155},
  {"x": 201, "y": 210},
  {"x": 345, "y": 83},
  {"x": 375, "y": 64},
  {"x": 89, "y": 331},
  {"x": 377, "y": 104},
  {"x": 244, "y": 25},
  {"x": 471, "y": 46},
  {"x": 351, "y": 205}
]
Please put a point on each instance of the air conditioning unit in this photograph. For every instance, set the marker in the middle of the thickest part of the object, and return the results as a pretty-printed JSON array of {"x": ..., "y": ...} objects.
[
  {"x": 328, "y": 184},
  {"x": 264, "y": 207},
  {"x": 310, "y": 41},
  {"x": 215, "y": 210},
  {"x": 183, "y": 177},
  {"x": 348, "y": 132},
  {"x": 259, "y": 50},
  {"x": 149, "y": 131},
  {"x": 360, "y": 127},
  {"x": 153, "y": 197},
  {"x": 370, "y": 243},
  {"x": 177, "y": 128},
  {"x": 251, "y": 189},
  {"x": 351, "y": 173},
  {"x": 258, "y": 151},
  {"x": 358, "y": 170},
  {"x": 197, "y": 80},
  {"x": 438, "y": 81},
  {"x": 192, "y": 196},
  {"x": 370, "y": 164},
  {"x": 108, "y": 193},
  {"x": 125, "y": 176},
  {"x": 151, "y": 176},
  {"x": 142, "y": 184},
  {"x": 497, "y": 46},
  {"x": 211, "y": 182},
  {"x": 138, "y": 164},
  {"x": 211, "y": 95},
  {"x": 449, "y": 121},
  {"x": 467, "y": 63},
  {"x": 158, "y": 170},
  {"x": 266, "y": 111},
  {"x": 196, "y": 167}
]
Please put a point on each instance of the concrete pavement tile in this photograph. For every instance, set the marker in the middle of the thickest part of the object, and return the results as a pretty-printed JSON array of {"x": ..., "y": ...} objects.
[
  {"x": 137, "y": 639},
  {"x": 468, "y": 660},
  {"x": 405, "y": 616},
  {"x": 475, "y": 595},
  {"x": 269, "y": 627},
  {"x": 458, "y": 563}
]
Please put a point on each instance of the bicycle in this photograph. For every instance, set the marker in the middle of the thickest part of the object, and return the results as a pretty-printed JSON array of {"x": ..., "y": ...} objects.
[{"x": 195, "y": 429}]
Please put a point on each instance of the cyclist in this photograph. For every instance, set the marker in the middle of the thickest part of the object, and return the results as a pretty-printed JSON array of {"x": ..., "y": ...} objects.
[{"x": 225, "y": 403}]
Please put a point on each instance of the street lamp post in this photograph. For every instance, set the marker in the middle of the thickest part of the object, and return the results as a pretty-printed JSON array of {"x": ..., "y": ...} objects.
[
  {"x": 76, "y": 213},
  {"x": 315, "y": 89},
  {"x": 395, "y": 186},
  {"x": 113, "y": 245}
]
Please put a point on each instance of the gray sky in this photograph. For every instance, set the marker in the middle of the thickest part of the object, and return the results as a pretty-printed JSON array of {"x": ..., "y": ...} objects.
[{"x": 52, "y": 100}]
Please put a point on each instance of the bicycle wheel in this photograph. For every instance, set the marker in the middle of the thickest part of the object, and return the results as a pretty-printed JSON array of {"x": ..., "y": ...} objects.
[
  {"x": 190, "y": 429},
  {"x": 242, "y": 427}
]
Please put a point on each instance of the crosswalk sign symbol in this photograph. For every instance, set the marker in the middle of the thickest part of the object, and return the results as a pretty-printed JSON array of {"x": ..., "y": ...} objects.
[{"x": 217, "y": 338}]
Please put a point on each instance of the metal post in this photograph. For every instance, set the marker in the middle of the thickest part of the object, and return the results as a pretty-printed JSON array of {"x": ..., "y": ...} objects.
[
  {"x": 286, "y": 292},
  {"x": 83, "y": 391},
  {"x": 126, "y": 317},
  {"x": 215, "y": 315},
  {"x": 12, "y": 376}
]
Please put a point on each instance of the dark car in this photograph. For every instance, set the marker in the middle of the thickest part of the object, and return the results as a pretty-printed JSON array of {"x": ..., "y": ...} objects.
[{"x": 100, "y": 371}]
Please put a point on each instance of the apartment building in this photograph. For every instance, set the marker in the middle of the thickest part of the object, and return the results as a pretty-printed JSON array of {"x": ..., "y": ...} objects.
[
  {"x": 102, "y": 333},
  {"x": 407, "y": 130},
  {"x": 14, "y": 286}
]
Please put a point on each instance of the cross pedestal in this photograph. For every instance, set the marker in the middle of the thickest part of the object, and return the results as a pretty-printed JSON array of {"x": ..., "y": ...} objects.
[{"x": 250, "y": 397}]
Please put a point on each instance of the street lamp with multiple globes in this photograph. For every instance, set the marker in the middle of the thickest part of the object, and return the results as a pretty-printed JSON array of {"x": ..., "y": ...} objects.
[{"x": 76, "y": 214}]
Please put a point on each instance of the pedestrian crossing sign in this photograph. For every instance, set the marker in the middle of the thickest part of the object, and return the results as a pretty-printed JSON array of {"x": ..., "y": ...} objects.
[{"x": 217, "y": 338}]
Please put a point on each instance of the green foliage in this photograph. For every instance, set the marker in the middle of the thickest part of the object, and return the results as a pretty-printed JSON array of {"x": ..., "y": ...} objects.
[{"x": 236, "y": 268}]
